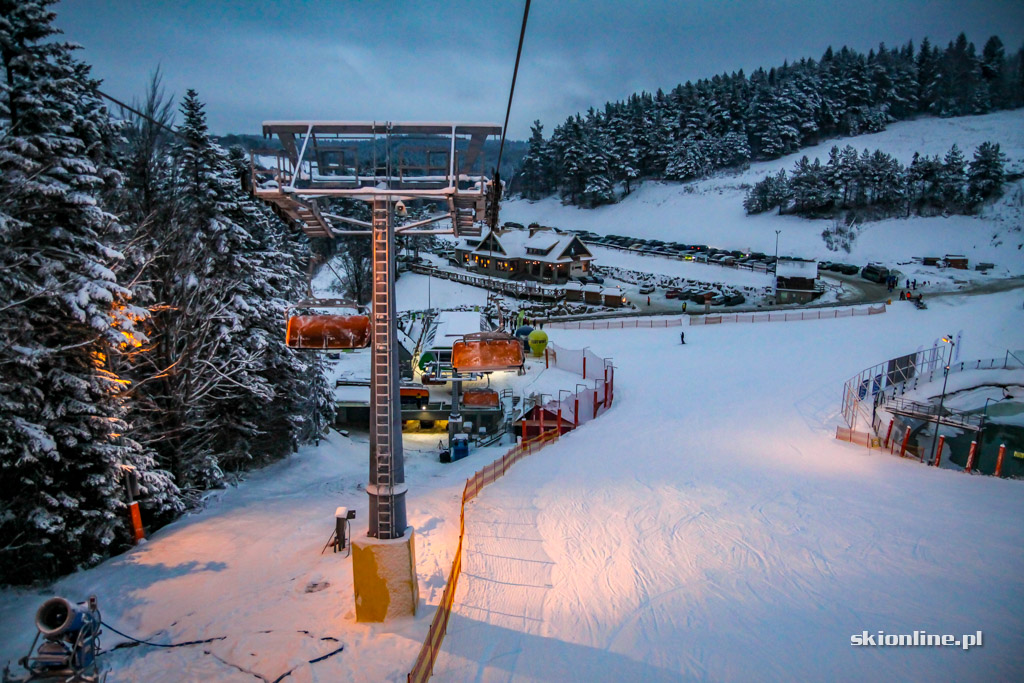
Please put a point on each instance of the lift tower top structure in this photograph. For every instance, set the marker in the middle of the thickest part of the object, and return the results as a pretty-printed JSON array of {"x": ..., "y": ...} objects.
[{"x": 381, "y": 163}]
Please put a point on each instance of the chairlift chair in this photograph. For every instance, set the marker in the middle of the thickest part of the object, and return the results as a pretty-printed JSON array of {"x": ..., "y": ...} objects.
[
  {"x": 487, "y": 352},
  {"x": 327, "y": 332}
]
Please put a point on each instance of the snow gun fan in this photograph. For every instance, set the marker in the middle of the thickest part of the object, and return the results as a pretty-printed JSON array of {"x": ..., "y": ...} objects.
[
  {"x": 327, "y": 332},
  {"x": 487, "y": 352},
  {"x": 70, "y": 634}
]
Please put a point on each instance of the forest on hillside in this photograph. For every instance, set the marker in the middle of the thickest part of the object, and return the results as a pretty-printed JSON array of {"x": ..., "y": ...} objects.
[
  {"x": 731, "y": 119},
  {"x": 142, "y": 294}
]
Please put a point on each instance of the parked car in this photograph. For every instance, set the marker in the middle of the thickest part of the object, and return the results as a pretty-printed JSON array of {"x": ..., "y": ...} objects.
[
  {"x": 597, "y": 279},
  {"x": 673, "y": 293},
  {"x": 647, "y": 289},
  {"x": 849, "y": 269},
  {"x": 735, "y": 300},
  {"x": 875, "y": 272},
  {"x": 584, "y": 279}
]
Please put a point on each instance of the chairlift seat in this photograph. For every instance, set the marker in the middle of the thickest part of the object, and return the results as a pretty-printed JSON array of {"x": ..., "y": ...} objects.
[
  {"x": 487, "y": 352},
  {"x": 328, "y": 332}
]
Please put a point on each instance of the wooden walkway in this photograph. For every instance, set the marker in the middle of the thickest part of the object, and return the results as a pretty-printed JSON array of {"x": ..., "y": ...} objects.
[{"x": 520, "y": 290}]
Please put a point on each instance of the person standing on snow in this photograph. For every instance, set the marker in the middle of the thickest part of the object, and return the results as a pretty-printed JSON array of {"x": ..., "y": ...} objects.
[{"x": 682, "y": 337}]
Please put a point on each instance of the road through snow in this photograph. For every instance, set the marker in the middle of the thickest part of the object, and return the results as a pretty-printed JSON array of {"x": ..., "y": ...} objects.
[{"x": 710, "y": 526}]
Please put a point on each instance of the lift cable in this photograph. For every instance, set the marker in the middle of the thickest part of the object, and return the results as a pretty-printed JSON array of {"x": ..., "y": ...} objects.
[
  {"x": 515, "y": 73},
  {"x": 492, "y": 210},
  {"x": 143, "y": 116}
]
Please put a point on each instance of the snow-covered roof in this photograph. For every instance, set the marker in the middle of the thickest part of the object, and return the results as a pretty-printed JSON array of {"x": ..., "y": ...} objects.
[
  {"x": 611, "y": 291},
  {"x": 544, "y": 239},
  {"x": 515, "y": 243},
  {"x": 450, "y": 326},
  {"x": 592, "y": 288},
  {"x": 796, "y": 268},
  {"x": 573, "y": 286}
]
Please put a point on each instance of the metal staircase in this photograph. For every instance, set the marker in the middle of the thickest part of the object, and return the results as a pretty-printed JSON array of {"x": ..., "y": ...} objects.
[{"x": 466, "y": 211}]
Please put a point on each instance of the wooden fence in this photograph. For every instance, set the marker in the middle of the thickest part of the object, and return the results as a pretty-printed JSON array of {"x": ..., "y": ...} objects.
[
  {"x": 521, "y": 290},
  {"x": 616, "y": 324},
  {"x": 786, "y": 316},
  {"x": 424, "y": 666}
]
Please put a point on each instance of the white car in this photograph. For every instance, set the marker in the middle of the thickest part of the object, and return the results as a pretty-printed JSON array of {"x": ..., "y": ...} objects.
[{"x": 647, "y": 289}]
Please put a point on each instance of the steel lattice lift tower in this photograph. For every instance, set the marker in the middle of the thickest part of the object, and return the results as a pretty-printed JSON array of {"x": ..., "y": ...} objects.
[{"x": 439, "y": 163}]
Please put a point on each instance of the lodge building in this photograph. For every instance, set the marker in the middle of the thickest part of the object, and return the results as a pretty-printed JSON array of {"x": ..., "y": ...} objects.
[{"x": 538, "y": 253}]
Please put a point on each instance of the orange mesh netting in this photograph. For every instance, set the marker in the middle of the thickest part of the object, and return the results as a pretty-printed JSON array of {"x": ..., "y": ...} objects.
[
  {"x": 328, "y": 331},
  {"x": 483, "y": 398}
]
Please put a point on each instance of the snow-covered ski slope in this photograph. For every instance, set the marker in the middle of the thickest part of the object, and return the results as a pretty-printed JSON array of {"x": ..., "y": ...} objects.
[
  {"x": 711, "y": 211},
  {"x": 710, "y": 527}
]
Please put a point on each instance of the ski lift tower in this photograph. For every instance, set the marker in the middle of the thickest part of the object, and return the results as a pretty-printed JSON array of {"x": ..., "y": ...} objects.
[{"x": 385, "y": 164}]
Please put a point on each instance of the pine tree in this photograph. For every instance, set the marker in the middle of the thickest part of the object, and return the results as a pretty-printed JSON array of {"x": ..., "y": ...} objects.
[
  {"x": 985, "y": 173},
  {"x": 63, "y": 315},
  {"x": 535, "y": 165},
  {"x": 626, "y": 156},
  {"x": 952, "y": 177},
  {"x": 232, "y": 395}
]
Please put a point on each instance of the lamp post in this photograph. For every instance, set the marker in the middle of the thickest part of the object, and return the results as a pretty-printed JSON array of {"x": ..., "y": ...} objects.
[
  {"x": 777, "y": 250},
  {"x": 938, "y": 415},
  {"x": 984, "y": 413}
]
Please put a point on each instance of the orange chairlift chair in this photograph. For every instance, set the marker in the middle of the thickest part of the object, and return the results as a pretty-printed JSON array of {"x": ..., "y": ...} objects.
[
  {"x": 487, "y": 352},
  {"x": 327, "y": 332}
]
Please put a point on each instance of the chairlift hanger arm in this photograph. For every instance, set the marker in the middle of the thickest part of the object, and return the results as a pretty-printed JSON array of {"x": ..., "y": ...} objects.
[{"x": 433, "y": 219}]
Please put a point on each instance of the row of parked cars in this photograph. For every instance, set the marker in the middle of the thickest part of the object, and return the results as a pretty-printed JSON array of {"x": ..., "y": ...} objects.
[
  {"x": 689, "y": 252},
  {"x": 844, "y": 268}
]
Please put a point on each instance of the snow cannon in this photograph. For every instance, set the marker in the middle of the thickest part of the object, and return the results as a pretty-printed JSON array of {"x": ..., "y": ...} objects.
[
  {"x": 70, "y": 634},
  {"x": 538, "y": 342},
  {"x": 58, "y": 618}
]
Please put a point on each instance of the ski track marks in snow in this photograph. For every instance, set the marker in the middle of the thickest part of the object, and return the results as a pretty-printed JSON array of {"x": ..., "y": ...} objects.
[{"x": 709, "y": 527}]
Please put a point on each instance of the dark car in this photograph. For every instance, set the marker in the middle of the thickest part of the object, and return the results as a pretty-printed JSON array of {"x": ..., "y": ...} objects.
[
  {"x": 673, "y": 293},
  {"x": 735, "y": 299},
  {"x": 849, "y": 269},
  {"x": 875, "y": 272},
  {"x": 597, "y": 279}
]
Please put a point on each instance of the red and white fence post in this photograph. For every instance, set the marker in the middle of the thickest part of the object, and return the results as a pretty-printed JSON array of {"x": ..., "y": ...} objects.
[
  {"x": 999, "y": 460},
  {"x": 888, "y": 434},
  {"x": 903, "y": 447},
  {"x": 970, "y": 457},
  {"x": 138, "y": 533},
  {"x": 938, "y": 451}
]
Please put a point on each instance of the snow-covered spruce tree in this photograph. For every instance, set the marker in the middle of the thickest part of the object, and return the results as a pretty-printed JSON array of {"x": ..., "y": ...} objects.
[
  {"x": 63, "y": 440},
  {"x": 218, "y": 331},
  {"x": 952, "y": 178},
  {"x": 535, "y": 169},
  {"x": 985, "y": 173}
]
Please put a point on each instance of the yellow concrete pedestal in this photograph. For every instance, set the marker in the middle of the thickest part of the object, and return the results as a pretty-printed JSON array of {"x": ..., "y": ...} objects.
[{"x": 384, "y": 577}]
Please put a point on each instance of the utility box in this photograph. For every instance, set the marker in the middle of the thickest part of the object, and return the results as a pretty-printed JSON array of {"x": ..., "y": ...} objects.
[
  {"x": 341, "y": 519},
  {"x": 460, "y": 446}
]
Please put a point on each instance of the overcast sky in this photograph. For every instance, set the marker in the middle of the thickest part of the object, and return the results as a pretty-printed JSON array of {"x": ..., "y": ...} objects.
[{"x": 452, "y": 60}]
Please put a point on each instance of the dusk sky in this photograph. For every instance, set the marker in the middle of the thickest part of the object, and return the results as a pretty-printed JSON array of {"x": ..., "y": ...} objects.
[{"x": 452, "y": 60}]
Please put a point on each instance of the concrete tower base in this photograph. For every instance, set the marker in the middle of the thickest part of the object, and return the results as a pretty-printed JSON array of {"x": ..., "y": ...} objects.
[{"x": 384, "y": 577}]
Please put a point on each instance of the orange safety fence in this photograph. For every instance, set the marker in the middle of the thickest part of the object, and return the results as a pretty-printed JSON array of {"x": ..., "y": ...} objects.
[{"x": 424, "y": 665}]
